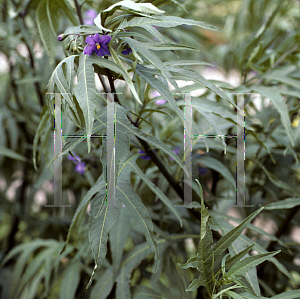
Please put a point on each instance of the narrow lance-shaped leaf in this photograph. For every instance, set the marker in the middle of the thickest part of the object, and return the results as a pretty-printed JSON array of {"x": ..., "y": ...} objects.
[
  {"x": 85, "y": 95},
  {"x": 248, "y": 263},
  {"x": 228, "y": 239},
  {"x": 128, "y": 197},
  {"x": 277, "y": 100},
  {"x": 131, "y": 162},
  {"x": 166, "y": 22},
  {"x": 79, "y": 214},
  {"x": 126, "y": 77},
  {"x": 102, "y": 218}
]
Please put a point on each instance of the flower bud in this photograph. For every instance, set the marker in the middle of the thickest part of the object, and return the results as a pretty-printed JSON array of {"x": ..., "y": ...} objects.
[{"x": 61, "y": 37}]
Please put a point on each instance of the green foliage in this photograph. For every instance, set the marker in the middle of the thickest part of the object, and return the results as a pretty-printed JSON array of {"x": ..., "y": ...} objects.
[{"x": 143, "y": 246}]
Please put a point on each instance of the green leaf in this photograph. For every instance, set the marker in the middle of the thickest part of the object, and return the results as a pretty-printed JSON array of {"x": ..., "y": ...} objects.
[
  {"x": 234, "y": 295},
  {"x": 64, "y": 84},
  {"x": 70, "y": 281},
  {"x": 166, "y": 22},
  {"x": 248, "y": 263},
  {"x": 126, "y": 77},
  {"x": 287, "y": 203},
  {"x": 104, "y": 285},
  {"x": 156, "y": 34},
  {"x": 140, "y": 7},
  {"x": 275, "y": 180},
  {"x": 215, "y": 164},
  {"x": 84, "y": 92},
  {"x": 152, "y": 58},
  {"x": 186, "y": 62},
  {"x": 151, "y": 139},
  {"x": 189, "y": 74},
  {"x": 98, "y": 23},
  {"x": 47, "y": 18},
  {"x": 294, "y": 294},
  {"x": 225, "y": 226},
  {"x": 277, "y": 100},
  {"x": 204, "y": 246},
  {"x": 251, "y": 296},
  {"x": 128, "y": 197},
  {"x": 118, "y": 236},
  {"x": 233, "y": 260},
  {"x": 232, "y": 235},
  {"x": 154, "y": 110},
  {"x": 163, "y": 90},
  {"x": 131, "y": 162},
  {"x": 195, "y": 284},
  {"x": 80, "y": 211},
  {"x": 115, "y": 67},
  {"x": 165, "y": 46},
  {"x": 142, "y": 292},
  {"x": 65, "y": 7},
  {"x": 4, "y": 151},
  {"x": 102, "y": 218},
  {"x": 135, "y": 256}
]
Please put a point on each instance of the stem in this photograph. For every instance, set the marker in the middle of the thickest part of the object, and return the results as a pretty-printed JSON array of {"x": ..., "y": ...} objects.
[
  {"x": 37, "y": 85},
  {"x": 78, "y": 9},
  {"x": 103, "y": 83}
]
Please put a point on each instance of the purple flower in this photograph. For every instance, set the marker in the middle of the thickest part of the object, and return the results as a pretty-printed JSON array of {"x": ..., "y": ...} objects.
[
  {"x": 80, "y": 166},
  {"x": 90, "y": 15},
  {"x": 144, "y": 157},
  {"x": 176, "y": 151},
  {"x": 127, "y": 51},
  {"x": 97, "y": 44},
  {"x": 160, "y": 102},
  {"x": 157, "y": 94}
]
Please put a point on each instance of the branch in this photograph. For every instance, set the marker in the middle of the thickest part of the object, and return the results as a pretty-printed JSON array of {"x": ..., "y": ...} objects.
[{"x": 78, "y": 9}]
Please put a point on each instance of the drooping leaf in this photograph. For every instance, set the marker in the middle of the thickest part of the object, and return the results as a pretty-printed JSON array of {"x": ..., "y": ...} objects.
[
  {"x": 104, "y": 285},
  {"x": 70, "y": 281},
  {"x": 128, "y": 197},
  {"x": 80, "y": 211},
  {"x": 103, "y": 216},
  {"x": 84, "y": 92},
  {"x": 131, "y": 163},
  {"x": 277, "y": 100},
  {"x": 118, "y": 236},
  {"x": 47, "y": 16}
]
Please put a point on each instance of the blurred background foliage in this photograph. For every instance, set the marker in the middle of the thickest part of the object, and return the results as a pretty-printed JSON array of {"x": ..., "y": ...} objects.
[{"x": 258, "y": 47}]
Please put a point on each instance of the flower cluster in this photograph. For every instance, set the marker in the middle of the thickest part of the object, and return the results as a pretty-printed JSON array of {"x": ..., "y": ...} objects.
[{"x": 80, "y": 166}]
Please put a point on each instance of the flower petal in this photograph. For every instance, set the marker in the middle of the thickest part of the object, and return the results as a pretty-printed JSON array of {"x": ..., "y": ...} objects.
[
  {"x": 102, "y": 52},
  {"x": 96, "y": 38},
  {"x": 89, "y": 40},
  {"x": 80, "y": 167},
  {"x": 104, "y": 39},
  {"x": 88, "y": 50}
]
